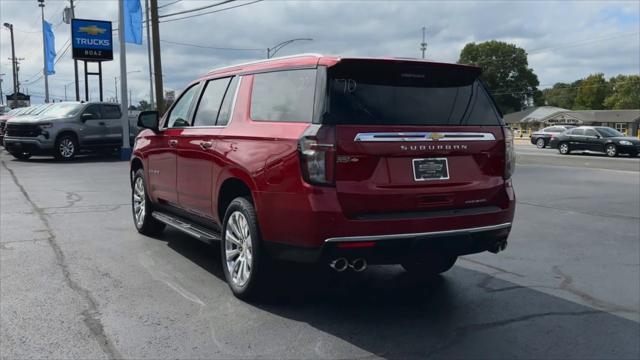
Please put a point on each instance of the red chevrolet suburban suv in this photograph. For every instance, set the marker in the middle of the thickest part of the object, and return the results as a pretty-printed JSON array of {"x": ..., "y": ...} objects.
[{"x": 344, "y": 161}]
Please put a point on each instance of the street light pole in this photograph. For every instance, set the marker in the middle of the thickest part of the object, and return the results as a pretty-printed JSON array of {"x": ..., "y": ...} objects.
[
  {"x": 14, "y": 61},
  {"x": 273, "y": 50},
  {"x": 157, "y": 63},
  {"x": 147, "y": 11},
  {"x": 44, "y": 55}
]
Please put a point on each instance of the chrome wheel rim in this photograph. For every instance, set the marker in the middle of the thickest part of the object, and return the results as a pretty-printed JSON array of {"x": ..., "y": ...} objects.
[
  {"x": 238, "y": 249},
  {"x": 611, "y": 150},
  {"x": 138, "y": 202},
  {"x": 66, "y": 148},
  {"x": 540, "y": 143},
  {"x": 564, "y": 148}
]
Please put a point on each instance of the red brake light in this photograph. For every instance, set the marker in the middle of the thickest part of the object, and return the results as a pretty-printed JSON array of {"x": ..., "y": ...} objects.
[{"x": 317, "y": 155}]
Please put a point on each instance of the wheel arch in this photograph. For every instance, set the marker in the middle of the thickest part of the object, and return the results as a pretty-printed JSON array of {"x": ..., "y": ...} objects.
[
  {"x": 235, "y": 184},
  {"x": 68, "y": 132},
  {"x": 136, "y": 164}
]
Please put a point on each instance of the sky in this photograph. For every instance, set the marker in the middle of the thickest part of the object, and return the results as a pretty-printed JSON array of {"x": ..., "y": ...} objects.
[{"x": 565, "y": 40}]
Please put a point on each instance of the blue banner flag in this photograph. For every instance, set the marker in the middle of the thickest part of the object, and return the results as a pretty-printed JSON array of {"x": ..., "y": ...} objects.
[
  {"x": 49, "y": 47},
  {"x": 132, "y": 21}
]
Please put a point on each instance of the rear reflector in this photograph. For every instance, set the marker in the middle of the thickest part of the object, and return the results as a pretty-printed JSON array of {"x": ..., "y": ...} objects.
[{"x": 356, "y": 245}]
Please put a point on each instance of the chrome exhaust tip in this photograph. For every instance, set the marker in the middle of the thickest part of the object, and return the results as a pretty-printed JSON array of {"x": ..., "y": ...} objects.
[
  {"x": 359, "y": 265},
  {"x": 339, "y": 264}
]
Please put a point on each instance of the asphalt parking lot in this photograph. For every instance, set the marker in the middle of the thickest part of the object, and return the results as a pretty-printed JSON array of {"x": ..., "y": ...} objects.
[{"x": 77, "y": 280}]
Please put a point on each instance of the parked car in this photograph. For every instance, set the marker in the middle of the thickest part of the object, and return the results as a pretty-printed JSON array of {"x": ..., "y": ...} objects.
[
  {"x": 541, "y": 138},
  {"x": 29, "y": 110},
  {"x": 595, "y": 138},
  {"x": 341, "y": 161},
  {"x": 64, "y": 130}
]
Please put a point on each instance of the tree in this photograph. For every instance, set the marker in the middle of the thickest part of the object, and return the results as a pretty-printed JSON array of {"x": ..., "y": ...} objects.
[
  {"x": 562, "y": 95},
  {"x": 592, "y": 92},
  {"x": 625, "y": 92},
  {"x": 506, "y": 73}
]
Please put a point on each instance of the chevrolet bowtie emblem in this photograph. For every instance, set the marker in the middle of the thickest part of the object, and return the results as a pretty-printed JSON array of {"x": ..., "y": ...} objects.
[
  {"x": 92, "y": 30},
  {"x": 436, "y": 136}
]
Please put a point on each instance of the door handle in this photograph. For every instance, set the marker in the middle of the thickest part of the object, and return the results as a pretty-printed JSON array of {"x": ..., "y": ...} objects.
[
  {"x": 101, "y": 123},
  {"x": 205, "y": 145},
  {"x": 173, "y": 143}
]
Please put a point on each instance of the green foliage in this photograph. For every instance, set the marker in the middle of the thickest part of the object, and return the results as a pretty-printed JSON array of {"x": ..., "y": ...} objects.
[
  {"x": 562, "y": 95},
  {"x": 625, "y": 92},
  {"x": 506, "y": 72},
  {"x": 592, "y": 92}
]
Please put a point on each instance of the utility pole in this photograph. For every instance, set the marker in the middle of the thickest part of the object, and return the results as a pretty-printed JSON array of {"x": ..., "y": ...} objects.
[
  {"x": 146, "y": 13},
  {"x": 130, "y": 100},
  {"x": 157, "y": 63},
  {"x": 423, "y": 44},
  {"x": 13, "y": 59},
  {"x": 44, "y": 55},
  {"x": 75, "y": 62},
  {"x": 115, "y": 83},
  {"x": 1, "y": 96}
]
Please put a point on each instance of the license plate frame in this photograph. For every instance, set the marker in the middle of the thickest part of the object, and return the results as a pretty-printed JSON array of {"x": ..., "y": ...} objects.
[{"x": 429, "y": 170}]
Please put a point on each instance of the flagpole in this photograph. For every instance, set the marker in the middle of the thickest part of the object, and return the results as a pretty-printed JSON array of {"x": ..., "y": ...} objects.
[
  {"x": 146, "y": 13},
  {"x": 44, "y": 55},
  {"x": 125, "y": 151}
]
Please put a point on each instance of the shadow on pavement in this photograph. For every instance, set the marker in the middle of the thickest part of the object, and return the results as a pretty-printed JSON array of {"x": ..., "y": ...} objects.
[{"x": 462, "y": 314}]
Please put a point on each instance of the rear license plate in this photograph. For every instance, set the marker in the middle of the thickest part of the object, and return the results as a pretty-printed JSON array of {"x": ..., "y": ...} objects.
[{"x": 430, "y": 169}]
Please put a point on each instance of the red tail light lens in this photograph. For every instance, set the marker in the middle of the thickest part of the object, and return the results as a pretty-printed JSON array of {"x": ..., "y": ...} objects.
[
  {"x": 510, "y": 154},
  {"x": 317, "y": 155}
]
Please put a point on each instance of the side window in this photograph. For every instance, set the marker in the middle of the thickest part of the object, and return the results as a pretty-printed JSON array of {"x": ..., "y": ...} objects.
[
  {"x": 590, "y": 132},
  {"x": 227, "y": 103},
  {"x": 577, "y": 132},
  {"x": 180, "y": 111},
  {"x": 283, "y": 95},
  {"x": 111, "y": 112},
  {"x": 210, "y": 101},
  {"x": 94, "y": 110}
]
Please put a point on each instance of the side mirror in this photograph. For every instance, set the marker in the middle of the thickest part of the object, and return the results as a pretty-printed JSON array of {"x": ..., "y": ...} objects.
[
  {"x": 598, "y": 137},
  {"x": 86, "y": 116},
  {"x": 148, "y": 120}
]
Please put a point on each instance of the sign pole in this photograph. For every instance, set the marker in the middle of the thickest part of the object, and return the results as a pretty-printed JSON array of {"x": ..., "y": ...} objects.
[
  {"x": 100, "y": 77},
  {"x": 125, "y": 150}
]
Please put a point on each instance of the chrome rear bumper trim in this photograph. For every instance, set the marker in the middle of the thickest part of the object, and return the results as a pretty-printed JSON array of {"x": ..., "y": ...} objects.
[
  {"x": 423, "y": 136},
  {"x": 419, "y": 235}
]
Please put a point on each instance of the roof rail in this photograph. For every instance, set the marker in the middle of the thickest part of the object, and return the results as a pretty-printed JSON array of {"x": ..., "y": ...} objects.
[{"x": 266, "y": 60}]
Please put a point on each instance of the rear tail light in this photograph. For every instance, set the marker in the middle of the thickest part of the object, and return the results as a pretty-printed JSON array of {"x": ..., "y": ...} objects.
[
  {"x": 317, "y": 155},
  {"x": 510, "y": 154}
]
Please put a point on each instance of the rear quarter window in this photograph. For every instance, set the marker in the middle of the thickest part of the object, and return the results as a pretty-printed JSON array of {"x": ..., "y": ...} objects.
[{"x": 283, "y": 96}]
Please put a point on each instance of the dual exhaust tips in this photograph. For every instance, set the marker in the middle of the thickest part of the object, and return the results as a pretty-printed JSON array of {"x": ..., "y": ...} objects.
[{"x": 342, "y": 264}]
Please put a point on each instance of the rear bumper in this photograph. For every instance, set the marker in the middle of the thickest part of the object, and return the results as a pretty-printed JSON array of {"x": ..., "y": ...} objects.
[{"x": 308, "y": 228}]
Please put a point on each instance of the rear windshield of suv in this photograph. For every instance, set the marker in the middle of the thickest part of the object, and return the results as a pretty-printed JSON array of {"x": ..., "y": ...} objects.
[{"x": 407, "y": 93}]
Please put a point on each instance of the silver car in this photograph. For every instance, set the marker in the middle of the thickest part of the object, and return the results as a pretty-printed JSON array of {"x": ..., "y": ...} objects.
[{"x": 64, "y": 129}]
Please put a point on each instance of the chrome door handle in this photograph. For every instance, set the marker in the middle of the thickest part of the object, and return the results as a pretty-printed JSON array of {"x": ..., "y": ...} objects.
[
  {"x": 173, "y": 143},
  {"x": 205, "y": 145}
]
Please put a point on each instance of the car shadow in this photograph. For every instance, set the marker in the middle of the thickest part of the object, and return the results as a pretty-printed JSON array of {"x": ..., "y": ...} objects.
[
  {"x": 388, "y": 313},
  {"x": 79, "y": 159}
]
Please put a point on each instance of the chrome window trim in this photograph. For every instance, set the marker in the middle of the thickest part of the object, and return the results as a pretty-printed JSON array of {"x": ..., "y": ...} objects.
[
  {"x": 233, "y": 109},
  {"x": 418, "y": 235},
  {"x": 423, "y": 136}
]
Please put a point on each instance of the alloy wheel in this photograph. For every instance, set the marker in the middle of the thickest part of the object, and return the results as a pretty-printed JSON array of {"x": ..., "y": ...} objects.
[
  {"x": 564, "y": 148},
  {"x": 66, "y": 148},
  {"x": 139, "y": 202},
  {"x": 238, "y": 249},
  {"x": 540, "y": 143},
  {"x": 611, "y": 150}
]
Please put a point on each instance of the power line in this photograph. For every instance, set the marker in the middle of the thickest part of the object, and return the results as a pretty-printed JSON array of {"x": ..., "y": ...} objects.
[
  {"x": 211, "y": 47},
  {"x": 211, "y": 12},
  {"x": 581, "y": 42},
  {"x": 196, "y": 9},
  {"x": 169, "y": 4}
]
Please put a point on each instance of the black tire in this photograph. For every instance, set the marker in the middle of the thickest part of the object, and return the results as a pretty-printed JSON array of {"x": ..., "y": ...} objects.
[
  {"x": 430, "y": 265},
  {"x": 260, "y": 265},
  {"x": 611, "y": 150},
  {"x": 564, "y": 148},
  {"x": 66, "y": 147},
  {"x": 541, "y": 143},
  {"x": 21, "y": 155},
  {"x": 144, "y": 222}
]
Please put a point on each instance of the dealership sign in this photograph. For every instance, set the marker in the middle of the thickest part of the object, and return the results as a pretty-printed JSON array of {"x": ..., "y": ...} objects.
[{"x": 92, "y": 40}]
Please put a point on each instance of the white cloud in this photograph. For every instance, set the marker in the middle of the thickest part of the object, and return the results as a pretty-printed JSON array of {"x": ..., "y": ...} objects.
[{"x": 573, "y": 39}]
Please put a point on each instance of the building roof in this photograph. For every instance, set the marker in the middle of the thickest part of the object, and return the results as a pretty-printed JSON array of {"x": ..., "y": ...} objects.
[{"x": 544, "y": 114}]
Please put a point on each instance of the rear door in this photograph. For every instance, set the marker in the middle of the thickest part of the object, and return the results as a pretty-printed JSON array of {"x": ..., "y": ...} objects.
[
  {"x": 577, "y": 139},
  {"x": 412, "y": 138},
  {"x": 197, "y": 158}
]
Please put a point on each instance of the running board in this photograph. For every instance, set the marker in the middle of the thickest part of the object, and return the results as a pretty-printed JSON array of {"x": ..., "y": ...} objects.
[{"x": 196, "y": 231}]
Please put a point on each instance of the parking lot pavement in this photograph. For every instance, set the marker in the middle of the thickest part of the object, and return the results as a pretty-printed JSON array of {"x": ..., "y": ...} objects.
[
  {"x": 528, "y": 154},
  {"x": 77, "y": 281}
]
